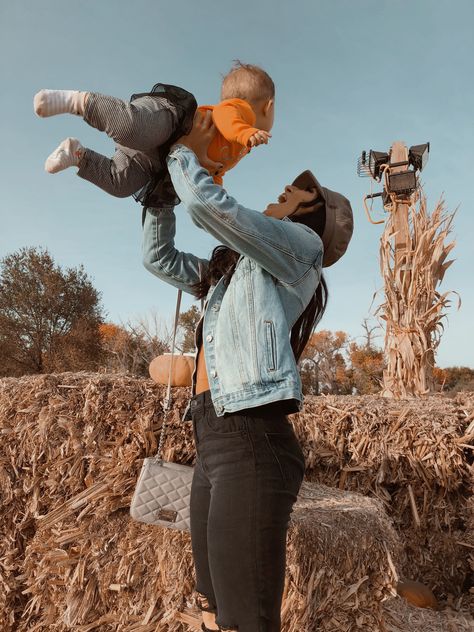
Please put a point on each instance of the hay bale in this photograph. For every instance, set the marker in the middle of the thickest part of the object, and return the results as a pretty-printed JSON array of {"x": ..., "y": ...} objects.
[
  {"x": 413, "y": 455},
  {"x": 342, "y": 552},
  {"x": 71, "y": 451},
  {"x": 113, "y": 574},
  {"x": 94, "y": 572},
  {"x": 400, "y": 616}
]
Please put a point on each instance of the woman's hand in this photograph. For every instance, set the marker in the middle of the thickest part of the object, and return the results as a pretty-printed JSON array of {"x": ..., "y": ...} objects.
[{"x": 199, "y": 139}]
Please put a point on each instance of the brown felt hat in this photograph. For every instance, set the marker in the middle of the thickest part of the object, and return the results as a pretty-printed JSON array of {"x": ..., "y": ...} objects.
[{"x": 339, "y": 219}]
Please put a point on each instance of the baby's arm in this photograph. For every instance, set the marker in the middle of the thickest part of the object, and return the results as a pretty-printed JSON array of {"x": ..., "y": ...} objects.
[
  {"x": 235, "y": 120},
  {"x": 260, "y": 137}
]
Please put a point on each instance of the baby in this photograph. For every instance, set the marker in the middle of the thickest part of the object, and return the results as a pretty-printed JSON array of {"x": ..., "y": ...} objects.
[{"x": 145, "y": 128}]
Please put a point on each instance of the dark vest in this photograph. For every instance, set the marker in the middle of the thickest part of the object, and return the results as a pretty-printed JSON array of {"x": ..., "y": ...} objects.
[{"x": 159, "y": 191}]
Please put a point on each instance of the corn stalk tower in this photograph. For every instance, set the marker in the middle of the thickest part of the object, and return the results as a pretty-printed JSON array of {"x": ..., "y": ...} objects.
[{"x": 413, "y": 253}]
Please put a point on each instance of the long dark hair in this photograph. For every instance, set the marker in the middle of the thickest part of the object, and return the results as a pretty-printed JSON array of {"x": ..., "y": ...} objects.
[{"x": 222, "y": 263}]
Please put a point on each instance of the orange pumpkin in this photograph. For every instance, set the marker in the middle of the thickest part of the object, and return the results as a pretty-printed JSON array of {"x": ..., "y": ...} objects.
[
  {"x": 417, "y": 594},
  {"x": 181, "y": 373}
]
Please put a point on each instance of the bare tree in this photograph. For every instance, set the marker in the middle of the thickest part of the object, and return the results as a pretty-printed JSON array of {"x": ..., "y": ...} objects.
[
  {"x": 130, "y": 347},
  {"x": 369, "y": 335}
]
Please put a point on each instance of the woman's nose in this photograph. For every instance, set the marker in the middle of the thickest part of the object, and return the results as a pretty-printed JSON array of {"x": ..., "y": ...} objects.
[{"x": 288, "y": 188}]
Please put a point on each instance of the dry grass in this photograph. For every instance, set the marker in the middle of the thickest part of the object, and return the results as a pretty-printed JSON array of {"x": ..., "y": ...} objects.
[
  {"x": 416, "y": 457},
  {"x": 72, "y": 558}
]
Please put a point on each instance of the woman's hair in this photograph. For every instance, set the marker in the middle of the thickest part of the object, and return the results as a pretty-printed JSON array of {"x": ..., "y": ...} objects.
[{"x": 223, "y": 261}]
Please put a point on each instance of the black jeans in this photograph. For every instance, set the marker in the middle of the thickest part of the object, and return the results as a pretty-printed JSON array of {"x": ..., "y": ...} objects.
[{"x": 249, "y": 469}]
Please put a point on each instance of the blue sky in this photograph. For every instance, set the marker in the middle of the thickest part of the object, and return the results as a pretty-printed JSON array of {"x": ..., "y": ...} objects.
[{"x": 349, "y": 74}]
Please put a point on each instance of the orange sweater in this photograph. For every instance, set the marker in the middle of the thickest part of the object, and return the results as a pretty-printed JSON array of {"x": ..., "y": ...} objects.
[{"x": 235, "y": 123}]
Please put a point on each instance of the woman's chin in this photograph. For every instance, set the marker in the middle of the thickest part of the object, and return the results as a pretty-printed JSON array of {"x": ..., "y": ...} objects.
[
  {"x": 270, "y": 207},
  {"x": 279, "y": 210}
]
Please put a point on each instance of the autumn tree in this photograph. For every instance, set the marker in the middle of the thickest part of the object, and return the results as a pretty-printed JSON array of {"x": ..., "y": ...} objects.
[
  {"x": 188, "y": 322},
  {"x": 454, "y": 378},
  {"x": 131, "y": 348},
  {"x": 322, "y": 364},
  {"x": 49, "y": 317},
  {"x": 365, "y": 370},
  {"x": 365, "y": 362}
]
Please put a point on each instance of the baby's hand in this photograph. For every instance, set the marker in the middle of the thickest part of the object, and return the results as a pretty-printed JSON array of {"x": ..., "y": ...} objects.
[{"x": 259, "y": 138}]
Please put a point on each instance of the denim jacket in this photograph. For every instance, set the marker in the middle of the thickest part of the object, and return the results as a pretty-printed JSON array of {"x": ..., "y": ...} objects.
[{"x": 246, "y": 326}]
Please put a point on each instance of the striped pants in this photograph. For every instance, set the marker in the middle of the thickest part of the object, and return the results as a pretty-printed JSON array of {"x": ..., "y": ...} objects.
[{"x": 138, "y": 128}]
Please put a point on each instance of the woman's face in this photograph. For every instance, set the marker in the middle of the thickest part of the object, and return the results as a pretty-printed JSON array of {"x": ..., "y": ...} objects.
[{"x": 289, "y": 202}]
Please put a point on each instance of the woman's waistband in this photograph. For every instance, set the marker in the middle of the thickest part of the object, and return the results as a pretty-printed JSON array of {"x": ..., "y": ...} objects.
[{"x": 203, "y": 401}]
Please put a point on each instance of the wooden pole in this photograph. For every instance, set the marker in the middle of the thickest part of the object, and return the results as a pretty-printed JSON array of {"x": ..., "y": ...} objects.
[
  {"x": 398, "y": 226},
  {"x": 399, "y": 153}
]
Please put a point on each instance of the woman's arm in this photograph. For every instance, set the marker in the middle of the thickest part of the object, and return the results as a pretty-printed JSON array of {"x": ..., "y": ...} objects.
[
  {"x": 161, "y": 258},
  {"x": 287, "y": 250}
]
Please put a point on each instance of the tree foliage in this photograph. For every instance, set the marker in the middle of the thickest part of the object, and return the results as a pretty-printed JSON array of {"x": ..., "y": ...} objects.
[
  {"x": 365, "y": 370},
  {"x": 188, "y": 322},
  {"x": 130, "y": 349},
  {"x": 49, "y": 317},
  {"x": 454, "y": 378},
  {"x": 322, "y": 363},
  {"x": 331, "y": 363}
]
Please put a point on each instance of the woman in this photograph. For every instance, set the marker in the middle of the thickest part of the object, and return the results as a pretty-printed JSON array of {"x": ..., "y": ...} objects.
[{"x": 264, "y": 295}]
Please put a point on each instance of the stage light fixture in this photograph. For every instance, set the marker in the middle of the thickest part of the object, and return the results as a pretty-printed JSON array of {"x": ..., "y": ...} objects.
[
  {"x": 418, "y": 156},
  {"x": 402, "y": 183},
  {"x": 376, "y": 160}
]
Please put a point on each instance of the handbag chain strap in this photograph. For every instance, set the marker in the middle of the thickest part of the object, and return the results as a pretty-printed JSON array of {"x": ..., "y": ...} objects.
[{"x": 167, "y": 399}]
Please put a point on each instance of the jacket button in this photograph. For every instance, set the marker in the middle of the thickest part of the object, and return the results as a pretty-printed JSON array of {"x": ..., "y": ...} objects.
[
  {"x": 213, "y": 373},
  {"x": 209, "y": 338}
]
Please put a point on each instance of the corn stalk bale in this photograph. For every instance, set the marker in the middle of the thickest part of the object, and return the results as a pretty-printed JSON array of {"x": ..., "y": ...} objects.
[
  {"x": 400, "y": 616},
  {"x": 71, "y": 451},
  {"x": 341, "y": 562},
  {"x": 71, "y": 456},
  {"x": 413, "y": 309},
  {"x": 384, "y": 448}
]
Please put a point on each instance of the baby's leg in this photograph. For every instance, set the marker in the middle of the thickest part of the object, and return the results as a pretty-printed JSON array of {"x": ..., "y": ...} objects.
[
  {"x": 123, "y": 174},
  {"x": 144, "y": 124},
  {"x": 51, "y": 102}
]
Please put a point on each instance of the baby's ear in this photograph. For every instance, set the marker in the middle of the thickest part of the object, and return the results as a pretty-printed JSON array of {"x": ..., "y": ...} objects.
[{"x": 268, "y": 105}]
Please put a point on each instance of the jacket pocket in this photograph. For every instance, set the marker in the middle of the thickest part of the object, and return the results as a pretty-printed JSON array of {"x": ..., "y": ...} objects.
[{"x": 270, "y": 345}]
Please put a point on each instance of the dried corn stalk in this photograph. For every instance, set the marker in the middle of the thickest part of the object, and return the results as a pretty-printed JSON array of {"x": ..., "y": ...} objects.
[{"x": 413, "y": 308}]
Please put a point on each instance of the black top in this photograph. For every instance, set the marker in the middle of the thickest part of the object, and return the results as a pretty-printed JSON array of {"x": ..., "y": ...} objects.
[{"x": 159, "y": 191}]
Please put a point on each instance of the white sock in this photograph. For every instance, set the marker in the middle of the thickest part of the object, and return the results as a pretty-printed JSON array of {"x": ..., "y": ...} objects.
[
  {"x": 67, "y": 154},
  {"x": 51, "y": 102}
]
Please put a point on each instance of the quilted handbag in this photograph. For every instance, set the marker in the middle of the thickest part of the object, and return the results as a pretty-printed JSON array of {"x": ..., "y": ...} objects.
[{"x": 163, "y": 489}]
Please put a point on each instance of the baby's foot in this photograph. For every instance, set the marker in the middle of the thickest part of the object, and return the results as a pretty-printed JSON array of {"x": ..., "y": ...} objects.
[
  {"x": 51, "y": 102},
  {"x": 67, "y": 154}
]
